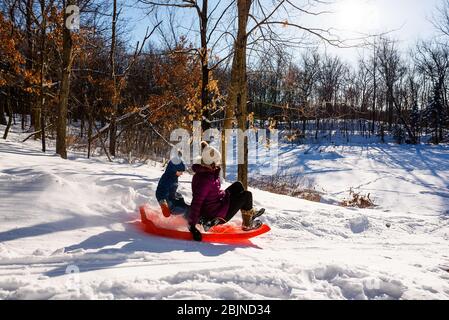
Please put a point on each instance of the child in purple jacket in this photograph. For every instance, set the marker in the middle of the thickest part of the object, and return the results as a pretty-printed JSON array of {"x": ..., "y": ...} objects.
[{"x": 211, "y": 205}]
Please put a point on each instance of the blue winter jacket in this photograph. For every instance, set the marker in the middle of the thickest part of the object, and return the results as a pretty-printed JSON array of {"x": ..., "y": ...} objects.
[{"x": 168, "y": 184}]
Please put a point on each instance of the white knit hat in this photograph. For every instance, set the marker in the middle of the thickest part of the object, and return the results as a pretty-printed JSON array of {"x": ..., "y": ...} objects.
[{"x": 210, "y": 155}]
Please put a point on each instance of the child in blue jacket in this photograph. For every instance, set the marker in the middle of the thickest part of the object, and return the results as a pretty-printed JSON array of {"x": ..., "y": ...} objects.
[{"x": 170, "y": 200}]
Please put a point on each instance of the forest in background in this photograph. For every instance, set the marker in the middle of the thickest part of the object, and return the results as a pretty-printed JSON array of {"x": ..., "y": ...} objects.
[{"x": 239, "y": 69}]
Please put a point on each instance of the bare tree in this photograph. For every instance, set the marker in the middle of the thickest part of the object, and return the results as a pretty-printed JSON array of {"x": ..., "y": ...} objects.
[
  {"x": 365, "y": 86},
  {"x": 115, "y": 97},
  {"x": 391, "y": 70},
  {"x": 441, "y": 19},
  {"x": 309, "y": 64},
  {"x": 29, "y": 54},
  {"x": 259, "y": 20},
  {"x": 41, "y": 111},
  {"x": 370, "y": 66},
  {"x": 118, "y": 79},
  {"x": 330, "y": 77},
  {"x": 67, "y": 59},
  {"x": 238, "y": 90},
  {"x": 432, "y": 59}
]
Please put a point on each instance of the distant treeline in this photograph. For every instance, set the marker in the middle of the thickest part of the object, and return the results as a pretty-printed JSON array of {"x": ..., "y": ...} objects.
[
  {"x": 405, "y": 95},
  {"x": 127, "y": 101}
]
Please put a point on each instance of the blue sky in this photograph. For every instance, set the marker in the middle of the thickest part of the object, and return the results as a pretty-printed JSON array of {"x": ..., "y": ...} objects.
[{"x": 408, "y": 21}]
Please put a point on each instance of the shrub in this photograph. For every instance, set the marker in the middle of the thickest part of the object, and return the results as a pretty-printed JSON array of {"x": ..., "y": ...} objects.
[
  {"x": 357, "y": 200},
  {"x": 285, "y": 186}
]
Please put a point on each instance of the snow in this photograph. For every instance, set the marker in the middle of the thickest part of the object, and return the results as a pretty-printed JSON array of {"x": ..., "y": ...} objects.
[{"x": 69, "y": 229}]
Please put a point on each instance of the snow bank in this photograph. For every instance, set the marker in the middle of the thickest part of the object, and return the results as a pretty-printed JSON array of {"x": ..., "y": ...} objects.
[{"x": 69, "y": 230}]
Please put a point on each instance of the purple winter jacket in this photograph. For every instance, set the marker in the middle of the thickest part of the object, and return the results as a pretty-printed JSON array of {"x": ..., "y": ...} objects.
[{"x": 208, "y": 200}]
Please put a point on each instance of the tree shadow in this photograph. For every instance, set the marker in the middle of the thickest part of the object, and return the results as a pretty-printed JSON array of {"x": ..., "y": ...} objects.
[
  {"x": 4, "y": 148},
  {"x": 123, "y": 175},
  {"x": 416, "y": 161},
  {"x": 72, "y": 223}
]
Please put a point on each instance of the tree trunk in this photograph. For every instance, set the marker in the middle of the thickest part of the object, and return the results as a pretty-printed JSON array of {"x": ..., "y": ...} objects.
[
  {"x": 41, "y": 112},
  {"x": 227, "y": 125},
  {"x": 61, "y": 131},
  {"x": 113, "y": 125},
  {"x": 42, "y": 104},
  {"x": 23, "y": 121},
  {"x": 390, "y": 102},
  {"x": 8, "y": 126},
  {"x": 29, "y": 63},
  {"x": 89, "y": 135},
  {"x": 36, "y": 120},
  {"x": 89, "y": 125},
  {"x": 238, "y": 87},
  {"x": 2, "y": 114},
  {"x": 373, "y": 128},
  {"x": 204, "y": 66}
]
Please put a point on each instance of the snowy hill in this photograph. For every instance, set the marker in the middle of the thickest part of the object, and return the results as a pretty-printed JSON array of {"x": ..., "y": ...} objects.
[{"x": 59, "y": 216}]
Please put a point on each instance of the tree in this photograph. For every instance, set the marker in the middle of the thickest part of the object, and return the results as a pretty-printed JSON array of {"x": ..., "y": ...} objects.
[
  {"x": 118, "y": 80},
  {"x": 265, "y": 17},
  {"x": 208, "y": 23},
  {"x": 364, "y": 86},
  {"x": 370, "y": 66},
  {"x": 432, "y": 59},
  {"x": 330, "y": 77},
  {"x": 435, "y": 113},
  {"x": 409, "y": 94},
  {"x": 11, "y": 71},
  {"x": 310, "y": 64},
  {"x": 238, "y": 91},
  {"x": 115, "y": 96},
  {"x": 441, "y": 20},
  {"x": 391, "y": 70},
  {"x": 67, "y": 59},
  {"x": 39, "y": 121},
  {"x": 29, "y": 53}
]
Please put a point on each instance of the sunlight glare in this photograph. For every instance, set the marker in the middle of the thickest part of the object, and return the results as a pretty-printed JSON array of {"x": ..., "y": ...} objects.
[{"x": 357, "y": 15}]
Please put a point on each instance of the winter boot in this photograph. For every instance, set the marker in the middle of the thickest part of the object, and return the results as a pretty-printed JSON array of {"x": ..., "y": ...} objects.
[
  {"x": 212, "y": 223},
  {"x": 248, "y": 222}
]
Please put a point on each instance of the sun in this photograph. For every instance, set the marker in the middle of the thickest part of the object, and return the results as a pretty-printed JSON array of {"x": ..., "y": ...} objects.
[{"x": 357, "y": 15}]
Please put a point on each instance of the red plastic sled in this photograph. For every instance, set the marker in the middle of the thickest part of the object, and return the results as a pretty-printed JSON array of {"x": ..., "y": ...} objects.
[{"x": 175, "y": 227}]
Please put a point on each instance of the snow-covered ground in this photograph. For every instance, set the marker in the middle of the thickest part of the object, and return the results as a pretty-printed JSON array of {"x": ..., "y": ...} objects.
[
  {"x": 58, "y": 217},
  {"x": 399, "y": 178}
]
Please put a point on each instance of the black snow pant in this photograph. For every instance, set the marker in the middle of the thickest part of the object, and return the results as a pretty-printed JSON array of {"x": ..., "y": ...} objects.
[{"x": 239, "y": 199}]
